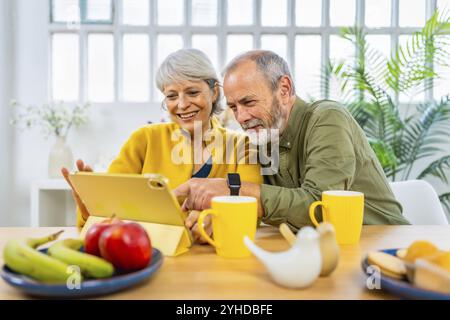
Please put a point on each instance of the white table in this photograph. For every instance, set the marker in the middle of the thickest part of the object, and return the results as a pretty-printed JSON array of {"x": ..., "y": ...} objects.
[{"x": 52, "y": 204}]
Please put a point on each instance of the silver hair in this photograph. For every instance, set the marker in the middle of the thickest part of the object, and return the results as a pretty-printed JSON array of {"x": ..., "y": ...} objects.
[
  {"x": 272, "y": 66},
  {"x": 189, "y": 65}
]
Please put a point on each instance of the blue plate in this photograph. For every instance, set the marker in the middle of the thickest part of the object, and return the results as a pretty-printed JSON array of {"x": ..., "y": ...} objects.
[
  {"x": 403, "y": 288},
  {"x": 88, "y": 287}
]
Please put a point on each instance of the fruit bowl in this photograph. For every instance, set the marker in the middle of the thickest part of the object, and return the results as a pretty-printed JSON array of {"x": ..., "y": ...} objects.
[{"x": 88, "y": 288}]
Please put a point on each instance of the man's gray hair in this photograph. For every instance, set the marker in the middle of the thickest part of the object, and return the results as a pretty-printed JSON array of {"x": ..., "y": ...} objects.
[
  {"x": 189, "y": 65},
  {"x": 269, "y": 63}
]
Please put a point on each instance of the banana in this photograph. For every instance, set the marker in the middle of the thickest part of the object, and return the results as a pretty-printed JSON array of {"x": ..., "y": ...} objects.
[
  {"x": 21, "y": 256},
  {"x": 67, "y": 251}
]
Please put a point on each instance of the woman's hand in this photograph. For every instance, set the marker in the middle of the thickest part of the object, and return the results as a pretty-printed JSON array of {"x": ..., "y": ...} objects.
[
  {"x": 198, "y": 192},
  {"x": 191, "y": 223},
  {"x": 65, "y": 172}
]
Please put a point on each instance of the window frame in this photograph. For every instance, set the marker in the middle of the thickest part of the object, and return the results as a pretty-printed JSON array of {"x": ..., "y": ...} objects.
[
  {"x": 83, "y": 15},
  {"x": 221, "y": 30}
]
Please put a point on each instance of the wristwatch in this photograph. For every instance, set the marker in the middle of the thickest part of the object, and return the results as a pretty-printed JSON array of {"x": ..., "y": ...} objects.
[{"x": 234, "y": 183}]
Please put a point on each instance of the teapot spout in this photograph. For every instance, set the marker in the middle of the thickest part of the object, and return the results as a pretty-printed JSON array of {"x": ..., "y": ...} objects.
[{"x": 263, "y": 255}]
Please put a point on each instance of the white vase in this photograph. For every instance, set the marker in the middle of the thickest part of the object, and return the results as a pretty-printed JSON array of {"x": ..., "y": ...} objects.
[{"x": 60, "y": 156}]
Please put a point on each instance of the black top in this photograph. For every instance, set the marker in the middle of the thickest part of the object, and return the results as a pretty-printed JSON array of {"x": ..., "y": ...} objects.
[{"x": 205, "y": 170}]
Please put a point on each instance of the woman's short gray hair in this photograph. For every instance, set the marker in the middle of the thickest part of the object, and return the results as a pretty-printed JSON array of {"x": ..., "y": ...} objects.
[
  {"x": 269, "y": 63},
  {"x": 189, "y": 65}
]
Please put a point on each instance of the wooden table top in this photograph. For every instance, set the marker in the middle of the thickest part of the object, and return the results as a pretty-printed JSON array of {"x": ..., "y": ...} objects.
[{"x": 201, "y": 274}]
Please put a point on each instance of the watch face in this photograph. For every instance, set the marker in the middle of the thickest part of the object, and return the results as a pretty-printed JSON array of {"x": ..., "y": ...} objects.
[{"x": 234, "y": 179}]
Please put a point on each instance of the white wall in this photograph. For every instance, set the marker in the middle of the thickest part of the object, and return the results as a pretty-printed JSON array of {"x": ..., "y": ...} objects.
[
  {"x": 109, "y": 127},
  {"x": 6, "y": 77}
]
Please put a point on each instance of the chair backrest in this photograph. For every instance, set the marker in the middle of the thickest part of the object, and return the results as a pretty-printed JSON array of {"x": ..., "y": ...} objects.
[{"x": 420, "y": 202}]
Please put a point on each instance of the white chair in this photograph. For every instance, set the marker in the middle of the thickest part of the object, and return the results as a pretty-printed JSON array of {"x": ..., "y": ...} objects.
[{"x": 421, "y": 205}]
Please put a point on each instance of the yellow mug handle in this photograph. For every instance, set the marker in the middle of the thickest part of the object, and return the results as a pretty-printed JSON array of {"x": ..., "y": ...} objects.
[
  {"x": 312, "y": 209},
  {"x": 202, "y": 216}
]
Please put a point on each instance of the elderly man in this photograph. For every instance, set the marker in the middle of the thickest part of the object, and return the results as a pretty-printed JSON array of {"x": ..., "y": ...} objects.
[{"x": 321, "y": 147}]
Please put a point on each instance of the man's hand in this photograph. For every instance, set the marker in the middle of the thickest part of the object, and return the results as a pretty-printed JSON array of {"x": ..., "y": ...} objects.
[
  {"x": 200, "y": 191},
  {"x": 81, "y": 167}
]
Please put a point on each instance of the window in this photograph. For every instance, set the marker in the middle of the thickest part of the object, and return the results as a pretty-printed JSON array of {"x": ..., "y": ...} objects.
[
  {"x": 65, "y": 66},
  {"x": 135, "y": 12},
  {"x": 204, "y": 12},
  {"x": 275, "y": 42},
  {"x": 308, "y": 13},
  {"x": 208, "y": 44},
  {"x": 412, "y": 13},
  {"x": 342, "y": 12},
  {"x": 378, "y": 13},
  {"x": 100, "y": 67},
  {"x": 274, "y": 13},
  {"x": 135, "y": 83},
  {"x": 308, "y": 50},
  {"x": 108, "y": 50},
  {"x": 82, "y": 11}
]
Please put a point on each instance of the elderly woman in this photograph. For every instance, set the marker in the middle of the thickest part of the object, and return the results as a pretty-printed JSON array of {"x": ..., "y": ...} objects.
[{"x": 192, "y": 97}]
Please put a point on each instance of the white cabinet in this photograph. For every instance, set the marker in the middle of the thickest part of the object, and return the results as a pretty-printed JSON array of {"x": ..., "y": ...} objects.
[{"x": 52, "y": 204}]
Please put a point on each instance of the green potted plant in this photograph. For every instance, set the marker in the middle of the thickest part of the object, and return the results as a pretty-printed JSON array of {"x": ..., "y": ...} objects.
[
  {"x": 55, "y": 119},
  {"x": 400, "y": 134}
]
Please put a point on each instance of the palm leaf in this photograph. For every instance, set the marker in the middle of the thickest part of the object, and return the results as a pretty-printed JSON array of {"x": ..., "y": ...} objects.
[
  {"x": 370, "y": 82},
  {"x": 385, "y": 155},
  {"x": 425, "y": 132},
  {"x": 367, "y": 80},
  {"x": 411, "y": 64},
  {"x": 437, "y": 169},
  {"x": 445, "y": 200}
]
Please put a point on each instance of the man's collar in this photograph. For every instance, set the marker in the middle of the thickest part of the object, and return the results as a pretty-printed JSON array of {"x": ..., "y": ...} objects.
[{"x": 295, "y": 116}]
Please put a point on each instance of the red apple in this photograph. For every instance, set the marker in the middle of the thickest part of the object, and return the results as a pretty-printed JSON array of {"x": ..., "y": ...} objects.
[
  {"x": 93, "y": 235},
  {"x": 127, "y": 246}
]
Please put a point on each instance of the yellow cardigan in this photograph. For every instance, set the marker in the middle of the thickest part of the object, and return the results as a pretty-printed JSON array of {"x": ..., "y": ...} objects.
[{"x": 150, "y": 148}]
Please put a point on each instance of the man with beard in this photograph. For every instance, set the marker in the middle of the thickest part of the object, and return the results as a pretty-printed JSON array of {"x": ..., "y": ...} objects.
[{"x": 321, "y": 147}]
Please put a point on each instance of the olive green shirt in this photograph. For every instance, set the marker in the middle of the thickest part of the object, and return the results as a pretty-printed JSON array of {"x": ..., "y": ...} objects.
[{"x": 324, "y": 148}]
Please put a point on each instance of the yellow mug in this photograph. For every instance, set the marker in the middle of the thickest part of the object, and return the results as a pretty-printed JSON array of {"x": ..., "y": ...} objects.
[
  {"x": 344, "y": 210},
  {"x": 233, "y": 218}
]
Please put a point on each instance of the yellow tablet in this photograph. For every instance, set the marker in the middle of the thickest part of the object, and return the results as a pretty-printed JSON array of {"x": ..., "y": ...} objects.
[{"x": 146, "y": 199}]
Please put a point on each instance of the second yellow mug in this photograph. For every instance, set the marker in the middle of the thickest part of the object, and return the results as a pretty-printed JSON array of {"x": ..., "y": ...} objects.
[
  {"x": 233, "y": 217},
  {"x": 344, "y": 210}
]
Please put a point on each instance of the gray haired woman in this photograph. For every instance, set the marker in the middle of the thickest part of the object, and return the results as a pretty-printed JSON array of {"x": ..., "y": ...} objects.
[{"x": 191, "y": 89}]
